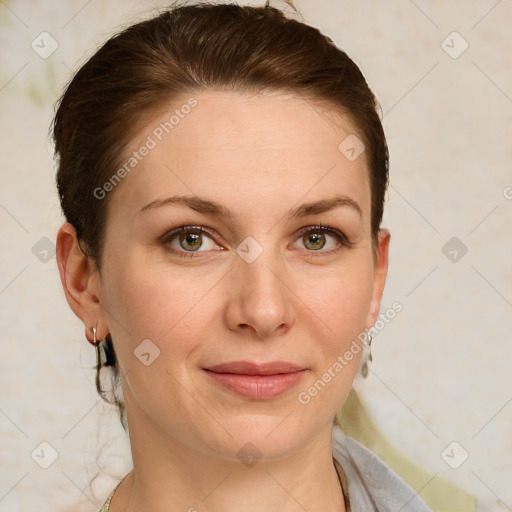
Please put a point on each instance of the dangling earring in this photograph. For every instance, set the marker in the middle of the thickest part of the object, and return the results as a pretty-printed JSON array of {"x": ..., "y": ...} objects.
[
  {"x": 368, "y": 343},
  {"x": 96, "y": 344}
]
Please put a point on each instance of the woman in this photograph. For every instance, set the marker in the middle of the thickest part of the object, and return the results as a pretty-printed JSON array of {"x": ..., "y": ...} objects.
[{"x": 222, "y": 170}]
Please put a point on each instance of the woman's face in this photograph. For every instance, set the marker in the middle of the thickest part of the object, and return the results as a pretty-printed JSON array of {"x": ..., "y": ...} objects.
[{"x": 261, "y": 284}]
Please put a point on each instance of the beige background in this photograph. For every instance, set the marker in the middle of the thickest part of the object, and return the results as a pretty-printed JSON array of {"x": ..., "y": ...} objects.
[{"x": 442, "y": 367}]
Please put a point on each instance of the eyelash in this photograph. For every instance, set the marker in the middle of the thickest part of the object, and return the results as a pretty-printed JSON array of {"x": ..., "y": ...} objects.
[{"x": 341, "y": 237}]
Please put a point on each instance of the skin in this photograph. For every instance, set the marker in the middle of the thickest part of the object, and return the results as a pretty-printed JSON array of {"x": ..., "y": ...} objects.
[{"x": 260, "y": 156}]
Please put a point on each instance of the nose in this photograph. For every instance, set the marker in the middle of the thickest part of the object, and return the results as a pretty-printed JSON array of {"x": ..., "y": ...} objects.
[{"x": 260, "y": 301}]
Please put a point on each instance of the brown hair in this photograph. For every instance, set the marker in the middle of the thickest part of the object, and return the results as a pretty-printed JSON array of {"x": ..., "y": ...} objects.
[{"x": 191, "y": 48}]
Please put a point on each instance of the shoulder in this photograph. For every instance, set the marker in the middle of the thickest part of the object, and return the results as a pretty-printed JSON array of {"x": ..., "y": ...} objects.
[{"x": 370, "y": 481}]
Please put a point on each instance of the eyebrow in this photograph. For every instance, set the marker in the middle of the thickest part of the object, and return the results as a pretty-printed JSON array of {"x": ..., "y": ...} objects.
[{"x": 213, "y": 208}]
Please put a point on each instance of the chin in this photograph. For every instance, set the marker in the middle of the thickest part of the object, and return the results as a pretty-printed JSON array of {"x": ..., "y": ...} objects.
[{"x": 266, "y": 436}]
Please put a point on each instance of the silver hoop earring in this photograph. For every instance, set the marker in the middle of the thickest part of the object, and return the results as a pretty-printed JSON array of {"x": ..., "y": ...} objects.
[
  {"x": 95, "y": 340},
  {"x": 96, "y": 344}
]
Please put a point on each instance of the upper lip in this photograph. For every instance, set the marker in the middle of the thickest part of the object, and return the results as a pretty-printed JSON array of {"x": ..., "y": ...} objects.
[{"x": 248, "y": 368}]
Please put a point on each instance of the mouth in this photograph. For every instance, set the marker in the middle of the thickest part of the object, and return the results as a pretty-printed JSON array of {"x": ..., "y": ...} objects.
[{"x": 257, "y": 381}]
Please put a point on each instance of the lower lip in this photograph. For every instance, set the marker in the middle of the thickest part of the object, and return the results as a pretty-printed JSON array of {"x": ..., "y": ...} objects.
[{"x": 258, "y": 387}]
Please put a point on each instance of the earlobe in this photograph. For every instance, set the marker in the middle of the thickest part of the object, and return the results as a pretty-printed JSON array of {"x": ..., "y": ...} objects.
[
  {"x": 79, "y": 279},
  {"x": 380, "y": 274}
]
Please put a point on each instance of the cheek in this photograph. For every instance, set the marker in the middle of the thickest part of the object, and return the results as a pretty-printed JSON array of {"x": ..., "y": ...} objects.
[
  {"x": 339, "y": 302},
  {"x": 161, "y": 305},
  {"x": 339, "y": 305}
]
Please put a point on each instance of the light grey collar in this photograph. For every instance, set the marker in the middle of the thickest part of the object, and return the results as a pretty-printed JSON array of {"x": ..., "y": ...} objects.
[{"x": 372, "y": 485}]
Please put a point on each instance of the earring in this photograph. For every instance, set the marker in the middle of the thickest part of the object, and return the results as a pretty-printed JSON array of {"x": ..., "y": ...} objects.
[
  {"x": 96, "y": 344},
  {"x": 368, "y": 343}
]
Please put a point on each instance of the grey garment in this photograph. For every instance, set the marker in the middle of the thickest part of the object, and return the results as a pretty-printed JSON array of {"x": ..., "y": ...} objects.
[{"x": 372, "y": 485}]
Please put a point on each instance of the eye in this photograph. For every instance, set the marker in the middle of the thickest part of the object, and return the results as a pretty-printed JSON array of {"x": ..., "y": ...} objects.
[
  {"x": 189, "y": 239},
  {"x": 316, "y": 238}
]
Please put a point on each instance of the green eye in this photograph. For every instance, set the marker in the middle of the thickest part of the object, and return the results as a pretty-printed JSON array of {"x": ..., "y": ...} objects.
[
  {"x": 190, "y": 241},
  {"x": 315, "y": 238},
  {"x": 187, "y": 240}
]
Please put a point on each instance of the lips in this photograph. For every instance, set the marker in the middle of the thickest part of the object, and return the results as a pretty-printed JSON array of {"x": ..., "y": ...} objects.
[
  {"x": 256, "y": 381},
  {"x": 248, "y": 368}
]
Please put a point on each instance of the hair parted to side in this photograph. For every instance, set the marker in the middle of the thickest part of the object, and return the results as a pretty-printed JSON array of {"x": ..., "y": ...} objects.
[{"x": 186, "y": 49}]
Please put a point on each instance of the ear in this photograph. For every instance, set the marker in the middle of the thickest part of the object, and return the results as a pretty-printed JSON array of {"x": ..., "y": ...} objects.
[
  {"x": 81, "y": 282},
  {"x": 379, "y": 276}
]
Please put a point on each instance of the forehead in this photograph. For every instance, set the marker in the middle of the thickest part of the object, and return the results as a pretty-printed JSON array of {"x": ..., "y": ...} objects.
[{"x": 244, "y": 149}]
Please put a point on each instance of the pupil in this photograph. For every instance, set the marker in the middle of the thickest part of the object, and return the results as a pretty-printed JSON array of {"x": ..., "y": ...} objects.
[
  {"x": 191, "y": 239},
  {"x": 315, "y": 239}
]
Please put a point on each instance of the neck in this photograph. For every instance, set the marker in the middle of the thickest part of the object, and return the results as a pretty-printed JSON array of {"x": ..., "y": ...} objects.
[{"x": 171, "y": 475}]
